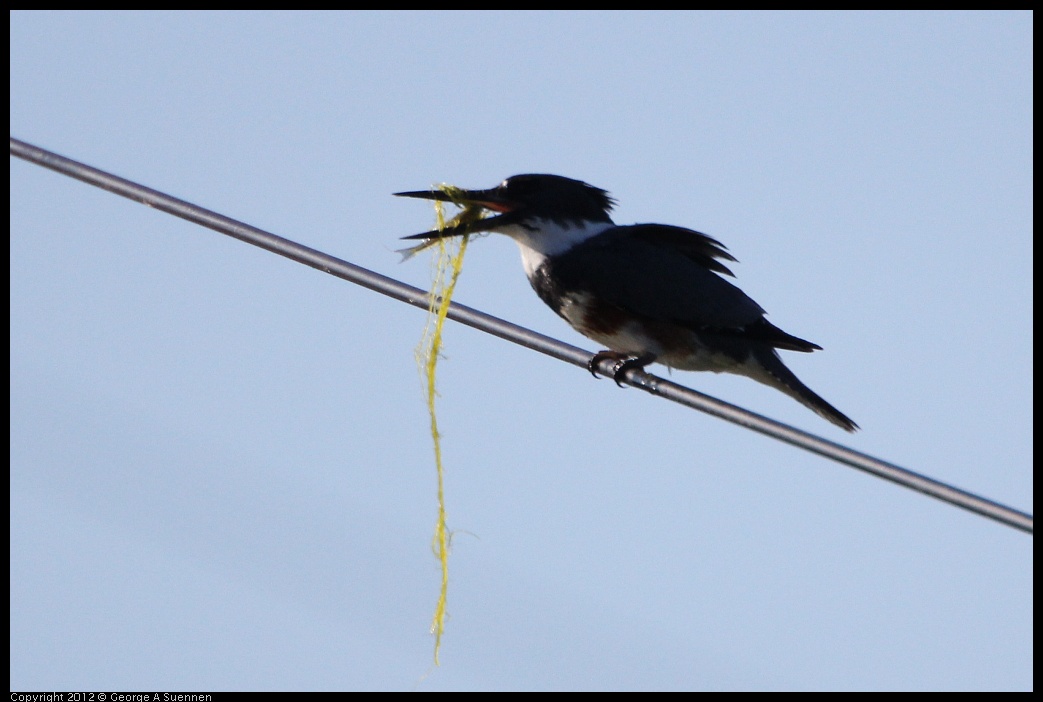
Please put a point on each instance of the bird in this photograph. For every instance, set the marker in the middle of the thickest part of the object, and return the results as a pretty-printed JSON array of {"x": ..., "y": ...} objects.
[{"x": 647, "y": 292}]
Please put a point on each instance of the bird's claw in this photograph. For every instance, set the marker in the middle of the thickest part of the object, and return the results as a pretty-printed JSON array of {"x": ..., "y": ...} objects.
[{"x": 623, "y": 363}]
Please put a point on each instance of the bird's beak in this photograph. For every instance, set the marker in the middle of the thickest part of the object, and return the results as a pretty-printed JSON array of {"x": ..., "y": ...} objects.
[{"x": 480, "y": 199}]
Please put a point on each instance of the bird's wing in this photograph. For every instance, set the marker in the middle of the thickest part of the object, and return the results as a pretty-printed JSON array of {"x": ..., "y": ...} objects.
[
  {"x": 698, "y": 247},
  {"x": 662, "y": 273}
]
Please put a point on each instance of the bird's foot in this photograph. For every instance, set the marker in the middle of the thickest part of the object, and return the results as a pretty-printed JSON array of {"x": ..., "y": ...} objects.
[{"x": 623, "y": 362}]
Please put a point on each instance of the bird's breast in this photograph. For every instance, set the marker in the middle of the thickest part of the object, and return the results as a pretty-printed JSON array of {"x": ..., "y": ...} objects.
[
  {"x": 618, "y": 329},
  {"x": 593, "y": 317}
]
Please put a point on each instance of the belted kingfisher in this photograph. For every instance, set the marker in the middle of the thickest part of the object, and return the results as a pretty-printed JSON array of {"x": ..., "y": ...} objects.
[{"x": 648, "y": 292}]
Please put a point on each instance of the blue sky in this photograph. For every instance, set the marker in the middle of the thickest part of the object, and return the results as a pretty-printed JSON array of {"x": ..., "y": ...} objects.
[{"x": 221, "y": 475}]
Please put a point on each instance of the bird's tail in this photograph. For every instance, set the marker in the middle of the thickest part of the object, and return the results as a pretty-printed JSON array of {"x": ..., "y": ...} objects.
[{"x": 770, "y": 370}]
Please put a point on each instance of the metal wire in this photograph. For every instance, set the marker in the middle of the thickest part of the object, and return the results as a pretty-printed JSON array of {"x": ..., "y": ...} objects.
[{"x": 520, "y": 335}]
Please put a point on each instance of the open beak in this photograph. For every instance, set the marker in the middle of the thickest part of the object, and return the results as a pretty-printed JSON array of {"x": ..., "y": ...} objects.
[{"x": 484, "y": 199}]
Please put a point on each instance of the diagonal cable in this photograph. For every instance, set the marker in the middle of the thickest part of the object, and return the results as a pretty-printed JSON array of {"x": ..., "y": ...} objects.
[{"x": 520, "y": 335}]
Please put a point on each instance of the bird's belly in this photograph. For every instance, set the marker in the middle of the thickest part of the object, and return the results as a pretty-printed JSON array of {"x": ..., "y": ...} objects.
[
  {"x": 673, "y": 345},
  {"x": 698, "y": 357}
]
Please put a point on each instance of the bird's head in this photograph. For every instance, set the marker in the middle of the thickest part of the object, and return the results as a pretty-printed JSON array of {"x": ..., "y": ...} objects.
[{"x": 521, "y": 199}]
